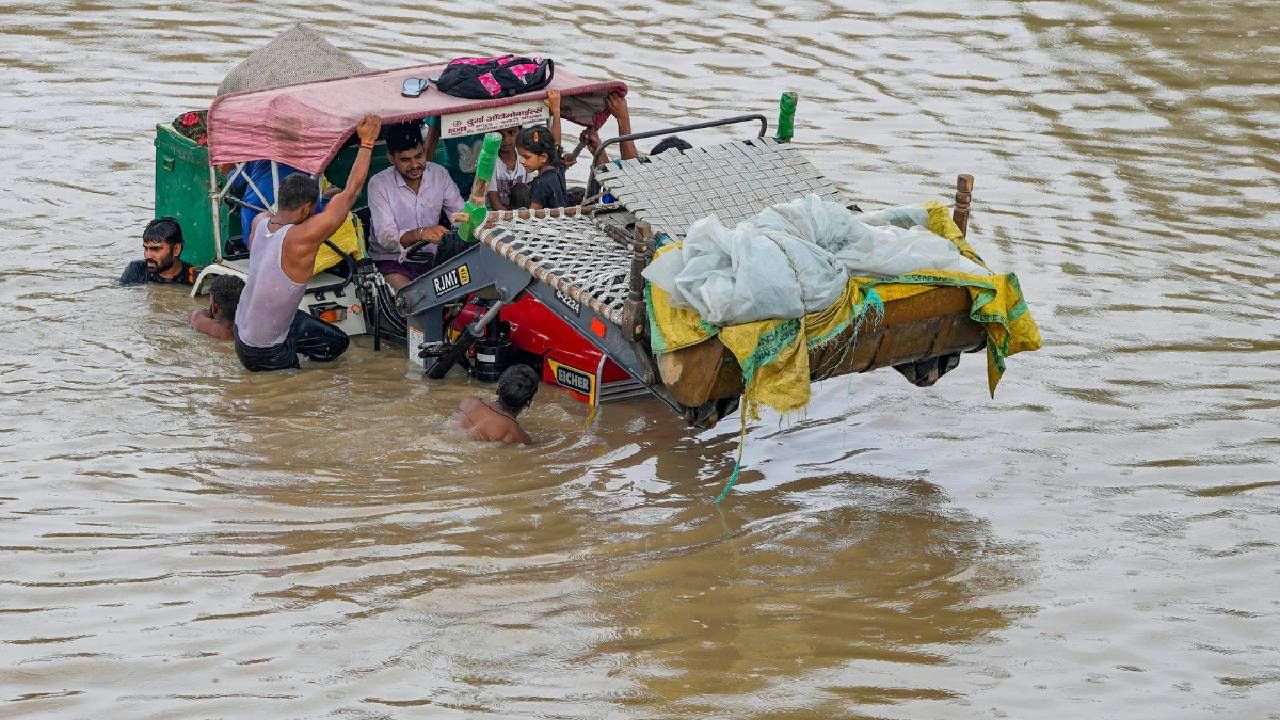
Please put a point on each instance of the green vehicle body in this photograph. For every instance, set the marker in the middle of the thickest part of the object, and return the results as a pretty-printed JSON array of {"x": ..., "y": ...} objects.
[{"x": 185, "y": 186}]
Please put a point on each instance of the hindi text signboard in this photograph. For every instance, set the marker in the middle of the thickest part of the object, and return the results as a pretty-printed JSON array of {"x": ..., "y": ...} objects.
[{"x": 491, "y": 119}]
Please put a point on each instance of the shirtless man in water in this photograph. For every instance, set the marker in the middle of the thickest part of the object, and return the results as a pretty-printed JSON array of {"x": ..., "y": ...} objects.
[
  {"x": 218, "y": 320},
  {"x": 496, "y": 422}
]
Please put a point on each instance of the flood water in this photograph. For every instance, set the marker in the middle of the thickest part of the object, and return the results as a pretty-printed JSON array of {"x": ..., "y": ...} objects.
[{"x": 180, "y": 539}]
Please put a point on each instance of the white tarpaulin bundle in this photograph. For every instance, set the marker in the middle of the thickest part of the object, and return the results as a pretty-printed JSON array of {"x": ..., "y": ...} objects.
[{"x": 795, "y": 258}]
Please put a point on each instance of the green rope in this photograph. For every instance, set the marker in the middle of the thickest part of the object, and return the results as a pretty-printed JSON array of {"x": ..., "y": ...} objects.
[
  {"x": 737, "y": 465},
  {"x": 743, "y": 412}
]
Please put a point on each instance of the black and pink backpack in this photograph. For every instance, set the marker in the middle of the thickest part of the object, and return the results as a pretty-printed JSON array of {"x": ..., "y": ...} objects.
[{"x": 494, "y": 77}]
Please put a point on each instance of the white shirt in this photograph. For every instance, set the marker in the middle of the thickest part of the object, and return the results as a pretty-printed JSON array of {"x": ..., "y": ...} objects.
[
  {"x": 504, "y": 178},
  {"x": 396, "y": 209}
]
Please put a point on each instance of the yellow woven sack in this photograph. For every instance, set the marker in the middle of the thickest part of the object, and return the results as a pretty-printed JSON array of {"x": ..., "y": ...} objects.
[{"x": 348, "y": 237}]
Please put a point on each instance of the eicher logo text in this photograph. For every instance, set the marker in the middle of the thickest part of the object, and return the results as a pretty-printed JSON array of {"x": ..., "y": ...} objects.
[{"x": 573, "y": 379}]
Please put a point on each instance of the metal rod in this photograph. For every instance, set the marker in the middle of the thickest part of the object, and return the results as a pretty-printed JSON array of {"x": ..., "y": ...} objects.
[
  {"x": 261, "y": 195},
  {"x": 275, "y": 186},
  {"x": 477, "y": 327},
  {"x": 237, "y": 202},
  {"x": 595, "y": 157},
  {"x": 222, "y": 191},
  {"x": 577, "y": 150},
  {"x": 598, "y": 387},
  {"x": 215, "y": 208},
  {"x": 377, "y": 320}
]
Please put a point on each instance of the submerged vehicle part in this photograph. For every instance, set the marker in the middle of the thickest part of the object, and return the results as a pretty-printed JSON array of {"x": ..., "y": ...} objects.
[
  {"x": 294, "y": 102},
  {"x": 582, "y": 265},
  {"x": 563, "y": 286}
]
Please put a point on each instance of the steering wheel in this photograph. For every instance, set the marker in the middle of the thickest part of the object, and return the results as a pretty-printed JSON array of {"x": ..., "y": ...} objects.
[
  {"x": 449, "y": 243},
  {"x": 419, "y": 253}
]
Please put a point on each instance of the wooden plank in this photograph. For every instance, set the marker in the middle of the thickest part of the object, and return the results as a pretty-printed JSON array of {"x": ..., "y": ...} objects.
[
  {"x": 690, "y": 373},
  {"x": 964, "y": 195},
  {"x": 931, "y": 324}
]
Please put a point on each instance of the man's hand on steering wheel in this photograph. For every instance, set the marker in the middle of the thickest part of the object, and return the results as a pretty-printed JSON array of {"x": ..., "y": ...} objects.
[
  {"x": 421, "y": 239},
  {"x": 418, "y": 237}
]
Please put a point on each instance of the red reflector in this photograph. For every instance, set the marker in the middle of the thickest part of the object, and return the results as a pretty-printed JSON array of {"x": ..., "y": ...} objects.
[{"x": 598, "y": 327}]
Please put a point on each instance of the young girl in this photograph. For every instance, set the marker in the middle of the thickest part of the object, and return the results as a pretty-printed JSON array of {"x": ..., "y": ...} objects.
[
  {"x": 510, "y": 181},
  {"x": 539, "y": 154}
]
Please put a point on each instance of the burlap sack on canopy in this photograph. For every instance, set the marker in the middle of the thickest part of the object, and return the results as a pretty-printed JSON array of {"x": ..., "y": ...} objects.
[{"x": 299, "y": 55}]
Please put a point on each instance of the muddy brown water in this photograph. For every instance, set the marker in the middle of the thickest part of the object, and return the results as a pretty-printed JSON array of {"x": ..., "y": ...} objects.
[{"x": 179, "y": 539}]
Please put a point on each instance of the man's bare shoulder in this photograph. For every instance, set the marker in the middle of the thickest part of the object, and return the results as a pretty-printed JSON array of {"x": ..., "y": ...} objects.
[
  {"x": 217, "y": 330},
  {"x": 507, "y": 433},
  {"x": 477, "y": 432},
  {"x": 513, "y": 434},
  {"x": 258, "y": 221},
  {"x": 199, "y": 320}
]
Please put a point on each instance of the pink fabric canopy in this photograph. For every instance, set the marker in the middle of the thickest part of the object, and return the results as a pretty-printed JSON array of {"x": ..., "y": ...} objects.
[{"x": 305, "y": 125}]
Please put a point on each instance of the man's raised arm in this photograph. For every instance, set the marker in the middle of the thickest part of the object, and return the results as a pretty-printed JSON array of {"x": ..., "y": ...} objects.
[{"x": 320, "y": 226}]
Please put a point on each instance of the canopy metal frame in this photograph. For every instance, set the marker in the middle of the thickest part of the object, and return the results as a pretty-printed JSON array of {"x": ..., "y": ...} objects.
[{"x": 220, "y": 193}]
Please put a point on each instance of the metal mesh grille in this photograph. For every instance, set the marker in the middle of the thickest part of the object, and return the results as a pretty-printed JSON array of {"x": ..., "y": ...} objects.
[
  {"x": 299, "y": 55},
  {"x": 570, "y": 253},
  {"x": 733, "y": 181}
]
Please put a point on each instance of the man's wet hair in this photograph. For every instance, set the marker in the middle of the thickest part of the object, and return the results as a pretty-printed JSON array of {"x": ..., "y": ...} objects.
[
  {"x": 675, "y": 142},
  {"x": 402, "y": 136},
  {"x": 165, "y": 230},
  {"x": 225, "y": 290},
  {"x": 516, "y": 387},
  {"x": 298, "y": 190}
]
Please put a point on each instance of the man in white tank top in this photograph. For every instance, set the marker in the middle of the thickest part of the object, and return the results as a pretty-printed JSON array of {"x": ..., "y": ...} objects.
[{"x": 270, "y": 330}]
